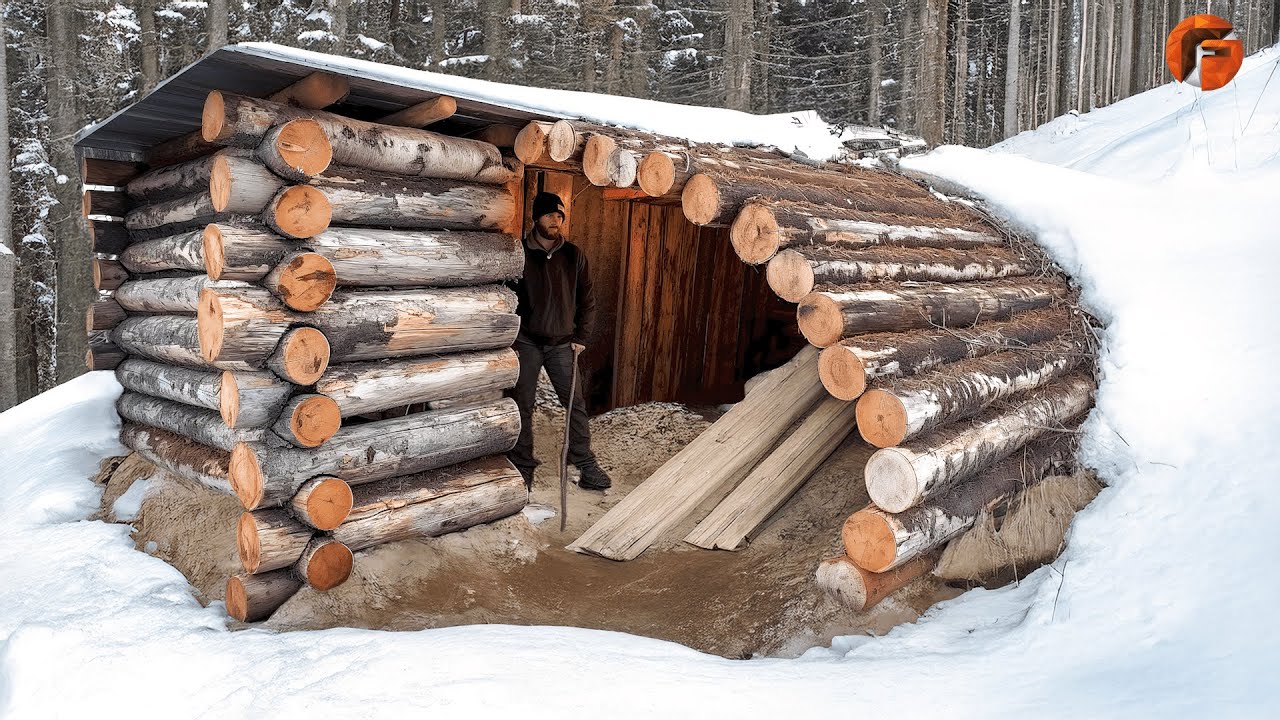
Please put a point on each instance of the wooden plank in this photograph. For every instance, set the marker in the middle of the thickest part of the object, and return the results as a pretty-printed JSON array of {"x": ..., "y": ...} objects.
[
  {"x": 678, "y": 302},
  {"x": 607, "y": 261},
  {"x": 631, "y": 317},
  {"x": 724, "y": 316},
  {"x": 94, "y": 171},
  {"x": 695, "y": 385},
  {"x": 707, "y": 468},
  {"x": 653, "y": 280}
]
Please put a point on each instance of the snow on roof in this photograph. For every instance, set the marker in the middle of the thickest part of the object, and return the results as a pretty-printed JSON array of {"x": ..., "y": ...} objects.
[{"x": 803, "y": 130}]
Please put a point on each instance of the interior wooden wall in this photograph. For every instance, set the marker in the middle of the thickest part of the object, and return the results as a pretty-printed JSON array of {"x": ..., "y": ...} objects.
[{"x": 679, "y": 317}]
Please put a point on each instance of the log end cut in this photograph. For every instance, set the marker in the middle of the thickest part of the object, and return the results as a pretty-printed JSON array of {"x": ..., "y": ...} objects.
[
  {"x": 323, "y": 502},
  {"x": 325, "y": 564},
  {"x": 562, "y": 140},
  {"x": 214, "y": 257},
  {"x": 860, "y": 590},
  {"x": 700, "y": 199},
  {"x": 246, "y": 476},
  {"x": 313, "y": 420},
  {"x": 869, "y": 541},
  {"x": 251, "y": 598},
  {"x": 790, "y": 276},
  {"x": 891, "y": 481},
  {"x": 304, "y": 281},
  {"x": 302, "y": 146},
  {"x": 248, "y": 544},
  {"x": 229, "y": 399},
  {"x": 595, "y": 159},
  {"x": 209, "y": 324},
  {"x": 842, "y": 372},
  {"x": 299, "y": 212},
  {"x": 531, "y": 143},
  {"x": 821, "y": 320},
  {"x": 302, "y": 356},
  {"x": 754, "y": 234},
  {"x": 656, "y": 173},
  {"x": 882, "y": 419},
  {"x": 213, "y": 119}
]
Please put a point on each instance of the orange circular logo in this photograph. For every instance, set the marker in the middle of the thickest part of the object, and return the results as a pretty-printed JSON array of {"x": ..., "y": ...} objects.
[{"x": 1203, "y": 51}]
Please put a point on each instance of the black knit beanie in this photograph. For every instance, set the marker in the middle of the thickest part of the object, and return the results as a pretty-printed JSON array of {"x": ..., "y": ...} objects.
[{"x": 545, "y": 202}]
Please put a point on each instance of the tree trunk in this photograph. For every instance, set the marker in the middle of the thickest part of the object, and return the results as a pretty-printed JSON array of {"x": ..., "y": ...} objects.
[
  {"x": 433, "y": 503},
  {"x": 252, "y": 598},
  {"x": 903, "y": 409},
  {"x": 531, "y": 143},
  {"x": 302, "y": 356},
  {"x": 270, "y": 539},
  {"x": 148, "y": 45},
  {"x": 959, "y": 99},
  {"x": 8, "y": 318},
  {"x": 878, "y": 541},
  {"x": 184, "y": 251},
  {"x": 247, "y": 324},
  {"x": 182, "y": 457},
  {"x": 325, "y": 563},
  {"x": 621, "y": 168},
  {"x": 737, "y": 55},
  {"x": 847, "y": 367},
  {"x": 1012, "y": 69},
  {"x": 71, "y": 246},
  {"x": 827, "y": 315},
  {"x": 595, "y": 159},
  {"x": 228, "y": 252},
  {"x": 265, "y": 476},
  {"x": 249, "y": 399},
  {"x": 933, "y": 74},
  {"x": 170, "y": 296},
  {"x": 364, "y": 387},
  {"x": 298, "y": 211},
  {"x": 361, "y": 197},
  {"x": 296, "y": 150},
  {"x": 874, "y": 63},
  {"x": 776, "y": 478},
  {"x": 322, "y": 502},
  {"x": 390, "y": 258},
  {"x": 792, "y": 274},
  {"x": 860, "y": 590},
  {"x": 197, "y": 424},
  {"x": 239, "y": 121},
  {"x": 710, "y": 465},
  {"x": 762, "y": 228},
  {"x": 420, "y": 115},
  {"x": 902, "y": 477},
  {"x": 233, "y": 182},
  {"x": 217, "y": 29}
]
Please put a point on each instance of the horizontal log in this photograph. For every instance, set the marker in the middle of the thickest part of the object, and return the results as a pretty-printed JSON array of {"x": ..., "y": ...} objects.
[
  {"x": 104, "y": 314},
  {"x": 433, "y": 503},
  {"x": 246, "y": 253},
  {"x": 564, "y": 143},
  {"x": 95, "y": 171},
  {"x": 878, "y": 541},
  {"x": 185, "y": 458},
  {"x": 764, "y": 226},
  {"x": 168, "y": 339},
  {"x": 109, "y": 238},
  {"x": 297, "y": 212},
  {"x": 240, "y": 121},
  {"x": 247, "y": 324},
  {"x": 902, "y": 477},
  {"x": 199, "y": 388},
  {"x": 325, "y": 564},
  {"x": 595, "y": 158},
  {"x": 364, "y": 387},
  {"x": 294, "y": 211},
  {"x": 301, "y": 357},
  {"x": 900, "y": 410},
  {"x": 364, "y": 197},
  {"x": 390, "y": 258},
  {"x": 108, "y": 274},
  {"x": 793, "y": 273},
  {"x": 846, "y": 368},
  {"x": 178, "y": 149},
  {"x": 169, "y": 295},
  {"x": 499, "y": 134},
  {"x": 860, "y": 590},
  {"x": 531, "y": 146},
  {"x": 833, "y": 312},
  {"x": 316, "y": 90},
  {"x": 422, "y": 114},
  {"x": 183, "y": 251},
  {"x": 621, "y": 168},
  {"x": 265, "y": 476},
  {"x": 253, "y": 598},
  {"x": 234, "y": 181},
  {"x": 308, "y": 420},
  {"x": 194, "y": 423},
  {"x": 322, "y": 502},
  {"x": 102, "y": 353},
  {"x": 250, "y": 399},
  {"x": 270, "y": 539},
  {"x": 101, "y": 202}
]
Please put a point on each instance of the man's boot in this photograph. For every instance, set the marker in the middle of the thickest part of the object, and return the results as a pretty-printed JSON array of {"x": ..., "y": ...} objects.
[{"x": 593, "y": 477}]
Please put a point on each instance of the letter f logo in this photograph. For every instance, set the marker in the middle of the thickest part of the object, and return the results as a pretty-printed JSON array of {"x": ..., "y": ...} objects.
[{"x": 1203, "y": 51}]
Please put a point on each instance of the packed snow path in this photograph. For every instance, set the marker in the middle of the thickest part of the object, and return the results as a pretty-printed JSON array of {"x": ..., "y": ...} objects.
[{"x": 1162, "y": 604}]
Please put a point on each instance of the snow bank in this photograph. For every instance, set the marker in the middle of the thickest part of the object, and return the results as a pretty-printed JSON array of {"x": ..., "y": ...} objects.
[{"x": 1163, "y": 603}]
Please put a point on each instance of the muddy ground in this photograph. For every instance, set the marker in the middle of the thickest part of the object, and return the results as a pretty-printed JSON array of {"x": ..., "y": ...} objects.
[{"x": 757, "y": 601}]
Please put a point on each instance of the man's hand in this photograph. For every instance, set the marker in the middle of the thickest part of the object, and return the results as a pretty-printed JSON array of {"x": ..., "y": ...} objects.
[{"x": 578, "y": 348}]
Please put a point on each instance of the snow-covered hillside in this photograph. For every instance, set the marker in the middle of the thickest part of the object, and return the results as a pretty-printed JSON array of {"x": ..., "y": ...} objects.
[{"x": 1163, "y": 603}]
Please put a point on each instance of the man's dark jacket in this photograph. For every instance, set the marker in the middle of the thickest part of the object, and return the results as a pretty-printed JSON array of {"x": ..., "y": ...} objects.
[{"x": 557, "y": 304}]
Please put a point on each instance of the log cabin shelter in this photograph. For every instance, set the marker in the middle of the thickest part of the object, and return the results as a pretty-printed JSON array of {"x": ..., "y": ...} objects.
[{"x": 679, "y": 317}]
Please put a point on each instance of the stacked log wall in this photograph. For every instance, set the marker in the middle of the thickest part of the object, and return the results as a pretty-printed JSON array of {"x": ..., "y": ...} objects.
[{"x": 266, "y": 290}]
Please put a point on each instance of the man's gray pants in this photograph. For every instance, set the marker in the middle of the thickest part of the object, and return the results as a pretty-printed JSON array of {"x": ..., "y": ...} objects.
[{"x": 558, "y": 360}]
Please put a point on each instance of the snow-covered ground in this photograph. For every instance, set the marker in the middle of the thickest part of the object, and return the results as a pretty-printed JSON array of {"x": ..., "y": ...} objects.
[{"x": 1163, "y": 604}]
